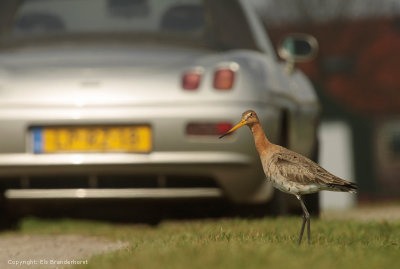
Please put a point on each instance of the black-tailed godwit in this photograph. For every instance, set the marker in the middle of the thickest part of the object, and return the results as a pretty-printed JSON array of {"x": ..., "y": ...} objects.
[{"x": 289, "y": 171}]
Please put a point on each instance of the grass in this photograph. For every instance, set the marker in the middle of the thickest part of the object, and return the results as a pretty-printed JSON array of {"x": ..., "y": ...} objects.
[{"x": 238, "y": 243}]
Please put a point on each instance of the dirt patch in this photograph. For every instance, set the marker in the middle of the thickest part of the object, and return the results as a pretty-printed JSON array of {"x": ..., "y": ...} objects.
[{"x": 51, "y": 251}]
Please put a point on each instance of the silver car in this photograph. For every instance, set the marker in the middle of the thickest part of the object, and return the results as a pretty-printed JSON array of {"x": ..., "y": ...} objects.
[{"x": 126, "y": 99}]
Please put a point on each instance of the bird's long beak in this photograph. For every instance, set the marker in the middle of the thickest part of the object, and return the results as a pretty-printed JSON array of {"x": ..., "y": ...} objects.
[{"x": 237, "y": 126}]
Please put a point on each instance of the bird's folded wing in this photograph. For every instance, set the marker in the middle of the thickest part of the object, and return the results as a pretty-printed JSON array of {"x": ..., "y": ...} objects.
[{"x": 299, "y": 169}]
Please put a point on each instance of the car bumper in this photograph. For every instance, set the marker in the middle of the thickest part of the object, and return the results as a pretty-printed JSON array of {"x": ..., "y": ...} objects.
[
  {"x": 171, "y": 193},
  {"x": 236, "y": 175},
  {"x": 37, "y": 160}
]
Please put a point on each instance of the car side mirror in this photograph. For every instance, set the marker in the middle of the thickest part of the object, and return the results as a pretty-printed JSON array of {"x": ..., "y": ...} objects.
[{"x": 296, "y": 48}]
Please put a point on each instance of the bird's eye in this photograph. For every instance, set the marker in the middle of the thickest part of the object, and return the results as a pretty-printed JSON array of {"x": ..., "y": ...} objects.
[{"x": 251, "y": 114}]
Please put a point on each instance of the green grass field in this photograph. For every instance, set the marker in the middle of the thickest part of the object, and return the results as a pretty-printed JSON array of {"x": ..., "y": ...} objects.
[{"x": 238, "y": 243}]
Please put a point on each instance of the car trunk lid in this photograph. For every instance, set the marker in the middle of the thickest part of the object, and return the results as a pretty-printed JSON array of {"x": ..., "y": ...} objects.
[{"x": 95, "y": 76}]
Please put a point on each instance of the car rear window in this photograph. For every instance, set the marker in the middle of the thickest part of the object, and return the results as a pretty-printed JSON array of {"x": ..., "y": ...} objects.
[{"x": 218, "y": 24}]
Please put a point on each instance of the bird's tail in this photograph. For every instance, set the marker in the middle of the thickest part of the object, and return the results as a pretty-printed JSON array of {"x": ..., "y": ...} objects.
[{"x": 345, "y": 187}]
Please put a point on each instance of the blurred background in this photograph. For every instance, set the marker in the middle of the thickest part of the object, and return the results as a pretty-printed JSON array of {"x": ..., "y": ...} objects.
[
  {"x": 356, "y": 78},
  {"x": 184, "y": 84}
]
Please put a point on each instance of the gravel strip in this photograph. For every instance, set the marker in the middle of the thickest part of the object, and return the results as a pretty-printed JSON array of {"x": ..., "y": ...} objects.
[
  {"x": 389, "y": 213},
  {"x": 51, "y": 251}
]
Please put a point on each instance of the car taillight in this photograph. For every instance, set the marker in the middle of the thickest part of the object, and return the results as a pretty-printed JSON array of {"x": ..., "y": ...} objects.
[
  {"x": 208, "y": 129},
  {"x": 224, "y": 79},
  {"x": 191, "y": 80}
]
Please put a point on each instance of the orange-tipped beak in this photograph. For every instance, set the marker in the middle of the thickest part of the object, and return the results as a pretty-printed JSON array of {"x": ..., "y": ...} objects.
[{"x": 237, "y": 126}]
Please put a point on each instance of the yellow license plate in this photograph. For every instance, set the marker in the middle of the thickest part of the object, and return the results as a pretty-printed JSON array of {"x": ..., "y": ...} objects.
[{"x": 92, "y": 139}]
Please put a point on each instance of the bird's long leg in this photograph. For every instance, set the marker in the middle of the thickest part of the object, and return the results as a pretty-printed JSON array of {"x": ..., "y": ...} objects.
[
  {"x": 302, "y": 229},
  {"x": 306, "y": 218}
]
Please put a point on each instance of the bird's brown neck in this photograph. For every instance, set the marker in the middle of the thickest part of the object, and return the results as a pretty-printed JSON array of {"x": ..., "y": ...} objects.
[{"x": 261, "y": 141}]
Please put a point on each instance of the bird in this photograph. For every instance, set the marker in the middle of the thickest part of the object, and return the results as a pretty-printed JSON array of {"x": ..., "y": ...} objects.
[{"x": 289, "y": 171}]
